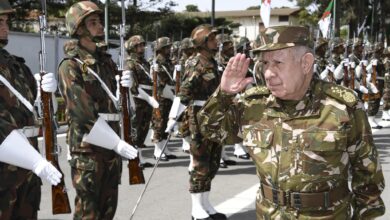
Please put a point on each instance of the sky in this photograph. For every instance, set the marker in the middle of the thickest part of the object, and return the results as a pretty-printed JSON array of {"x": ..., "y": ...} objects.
[{"x": 228, "y": 5}]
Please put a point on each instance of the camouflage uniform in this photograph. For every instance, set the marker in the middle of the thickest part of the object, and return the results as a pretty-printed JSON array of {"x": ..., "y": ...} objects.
[
  {"x": 143, "y": 111},
  {"x": 304, "y": 149},
  {"x": 386, "y": 90},
  {"x": 20, "y": 189},
  {"x": 96, "y": 171},
  {"x": 165, "y": 71}
]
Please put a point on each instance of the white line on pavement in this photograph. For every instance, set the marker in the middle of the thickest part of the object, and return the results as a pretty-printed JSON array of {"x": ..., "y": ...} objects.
[{"x": 241, "y": 202}]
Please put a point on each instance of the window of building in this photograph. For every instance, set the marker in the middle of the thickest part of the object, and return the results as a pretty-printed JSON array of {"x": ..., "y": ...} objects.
[{"x": 283, "y": 18}]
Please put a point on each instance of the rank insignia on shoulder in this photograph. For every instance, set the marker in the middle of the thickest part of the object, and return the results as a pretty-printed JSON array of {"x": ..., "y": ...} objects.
[{"x": 342, "y": 94}]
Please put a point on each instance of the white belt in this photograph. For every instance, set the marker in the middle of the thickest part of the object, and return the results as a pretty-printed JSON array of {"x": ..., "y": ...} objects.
[
  {"x": 380, "y": 78},
  {"x": 170, "y": 87},
  {"x": 199, "y": 103},
  {"x": 147, "y": 87},
  {"x": 110, "y": 116},
  {"x": 30, "y": 131}
]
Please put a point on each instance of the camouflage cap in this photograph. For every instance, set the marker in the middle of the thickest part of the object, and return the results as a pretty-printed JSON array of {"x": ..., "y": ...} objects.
[
  {"x": 241, "y": 41},
  {"x": 201, "y": 33},
  {"x": 5, "y": 8},
  {"x": 337, "y": 42},
  {"x": 163, "y": 42},
  {"x": 281, "y": 37}
]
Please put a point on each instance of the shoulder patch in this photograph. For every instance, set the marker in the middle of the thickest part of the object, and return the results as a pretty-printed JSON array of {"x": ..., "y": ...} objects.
[
  {"x": 341, "y": 93},
  {"x": 257, "y": 90}
]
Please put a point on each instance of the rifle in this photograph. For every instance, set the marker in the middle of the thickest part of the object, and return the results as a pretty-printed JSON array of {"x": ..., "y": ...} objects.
[
  {"x": 156, "y": 111},
  {"x": 345, "y": 67},
  {"x": 136, "y": 175},
  {"x": 60, "y": 200},
  {"x": 365, "y": 97}
]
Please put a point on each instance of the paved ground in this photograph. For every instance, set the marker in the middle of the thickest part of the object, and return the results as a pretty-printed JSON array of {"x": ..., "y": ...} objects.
[{"x": 167, "y": 197}]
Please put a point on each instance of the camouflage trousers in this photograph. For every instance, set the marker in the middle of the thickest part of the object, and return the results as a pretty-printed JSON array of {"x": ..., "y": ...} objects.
[
  {"x": 386, "y": 93},
  {"x": 20, "y": 193},
  {"x": 206, "y": 156},
  {"x": 141, "y": 121},
  {"x": 373, "y": 107},
  {"x": 184, "y": 126},
  {"x": 160, "y": 124},
  {"x": 96, "y": 177}
]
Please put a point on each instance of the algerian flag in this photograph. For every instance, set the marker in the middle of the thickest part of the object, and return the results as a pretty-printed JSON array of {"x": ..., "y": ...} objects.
[
  {"x": 265, "y": 12},
  {"x": 324, "y": 22}
]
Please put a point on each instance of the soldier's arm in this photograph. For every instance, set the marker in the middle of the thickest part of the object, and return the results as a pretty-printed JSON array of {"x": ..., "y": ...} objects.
[
  {"x": 131, "y": 65},
  {"x": 79, "y": 104},
  {"x": 367, "y": 176},
  {"x": 218, "y": 118}
]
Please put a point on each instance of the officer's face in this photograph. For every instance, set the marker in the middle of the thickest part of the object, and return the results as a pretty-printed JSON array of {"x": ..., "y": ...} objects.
[
  {"x": 140, "y": 49},
  {"x": 4, "y": 28},
  {"x": 94, "y": 25},
  {"x": 286, "y": 73}
]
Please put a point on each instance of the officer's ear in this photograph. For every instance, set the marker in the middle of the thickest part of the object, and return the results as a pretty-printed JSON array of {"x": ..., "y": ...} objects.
[{"x": 307, "y": 62}]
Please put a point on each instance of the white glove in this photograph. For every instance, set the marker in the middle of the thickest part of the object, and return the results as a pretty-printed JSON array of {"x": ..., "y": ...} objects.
[
  {"x": 126, "y": 150},
  {"x": 46, "y": 170},
  {"x": 170, "y": 125},
  {"x": 156, "y": 68},
  {"x": 324, "y": 74},
  {"x": 374, "y": 62},
  {"x": 352, "y": 65},
  {"x": 49, "y": 82},
  {"x": 372, "y": 88},
  {"x": 363, "y": 89},
  {"x": 330, "y": 67},
  {"x": 364, "y": 62},
  {"x": 345, "y": 62},
  {"x": 339, "y": 71},
  {"x": 178, "y": 67},
  {"x": 127, "y": 79},
  {"x": 358, "y": 71}
]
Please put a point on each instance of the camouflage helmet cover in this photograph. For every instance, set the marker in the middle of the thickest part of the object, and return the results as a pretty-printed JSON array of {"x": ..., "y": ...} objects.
[
  {"x": 281, "y": 37},
  {"x": 5, "y": 8},
  {"x": 77, "y": 13},
  {"x": 357, "y": 42},
  {"x": 242, "y": 41},
  {"x": 186, "y": 43},
  {"x": 133, "y": 41},
  {"x": 336, "y": 42},
  {"x": 386, "y": 51},
  {"x": 223, "y": 38},
  {"x": 378, "y": 47},
  {"x": 162, "y": 42},
  {"x": 321, "y": 42},
  {"x": 201, "y": 33}
]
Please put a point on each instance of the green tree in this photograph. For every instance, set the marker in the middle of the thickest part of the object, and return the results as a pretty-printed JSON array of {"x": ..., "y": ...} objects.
[{"x": 192, "y": 8}]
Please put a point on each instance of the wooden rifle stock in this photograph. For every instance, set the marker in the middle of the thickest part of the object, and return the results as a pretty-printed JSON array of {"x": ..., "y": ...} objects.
[
  {"x": 345, "y": 79},
  {"x": 177, "y": 85},
  {"x": 352, "y": 82},
  {"x": 136, "y": 176},
  {"x": 365, "y": 97},
  {"x": 60, "y": 200}
]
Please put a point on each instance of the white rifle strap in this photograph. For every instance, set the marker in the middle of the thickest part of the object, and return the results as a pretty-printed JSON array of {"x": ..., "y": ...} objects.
[
  {"x": 165, "y": 69},
  {"x": 143, "y": 68},
  {"x": 104, "y": 86},
  {"x": 17, "y": 94}
]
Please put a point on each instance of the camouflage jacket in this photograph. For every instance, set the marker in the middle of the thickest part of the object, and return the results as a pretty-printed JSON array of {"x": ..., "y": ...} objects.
[
  {"x": 83, "y": 94},
  {"x": 201, "y": 81},
  {"x": 14, "y": 114},
  {"x": 309, "y": 149},
  {"x": 141, "y": 72},
  {"x": 165, "y": 74}
]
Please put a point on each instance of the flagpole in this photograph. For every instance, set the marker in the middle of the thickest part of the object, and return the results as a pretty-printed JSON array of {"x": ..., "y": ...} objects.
[{"x": 334, "y": 19}]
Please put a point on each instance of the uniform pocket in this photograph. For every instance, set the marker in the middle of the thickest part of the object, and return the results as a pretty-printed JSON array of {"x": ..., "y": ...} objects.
[
  {"x": 324, "y": 152},
  {"x": 83, "y": 173}
]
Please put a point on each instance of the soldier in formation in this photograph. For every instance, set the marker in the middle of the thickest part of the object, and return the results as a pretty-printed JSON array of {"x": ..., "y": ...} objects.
[
  {"x": 141, "y": 89},
  {"x": 21, "y": 165},
  {"x": 303, "y": 154},
  {"x": 87, "y": 83},
  {"x": 202, "y": 78},
  {"x": 386, "y": 89}
]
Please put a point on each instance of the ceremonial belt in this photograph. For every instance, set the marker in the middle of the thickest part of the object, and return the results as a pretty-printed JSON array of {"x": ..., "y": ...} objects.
[
  {"x": 166, "y": 71},
  {"x": 300, "y": 200},
  {"x": 147, "y": 87},
  {"x": 110, "y": 116},
  {"x": 380, "y": 78},
  {"x": 30, "y": 131},
  {"x": 170, "y": 87},
  {"x": 144, "y": 71},
  {"x": 199, "y": 103},
  {"x": 23, "y": 100}
]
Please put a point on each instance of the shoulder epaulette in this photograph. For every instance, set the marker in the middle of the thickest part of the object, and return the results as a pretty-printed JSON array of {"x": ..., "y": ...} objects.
[
  {"x": 341, "y": 93},
  {"x": 256, "y": 91}
]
